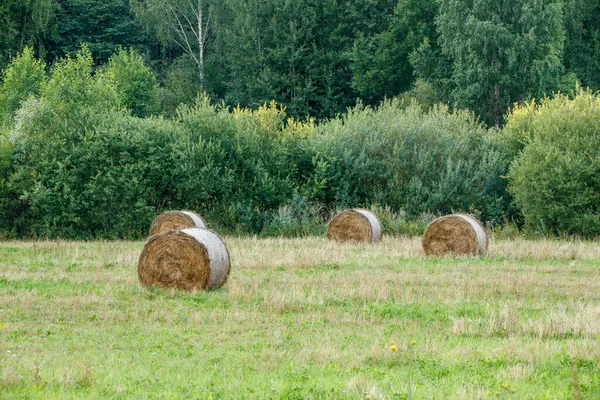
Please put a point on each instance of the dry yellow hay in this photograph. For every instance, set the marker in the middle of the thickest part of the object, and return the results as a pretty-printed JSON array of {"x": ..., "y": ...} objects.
[
  {"x": 458, "y": 234},
  {"x": 176, "y": 220},
  {"x": 188, "y": 259},
  {"x": 355, "y": 225}
]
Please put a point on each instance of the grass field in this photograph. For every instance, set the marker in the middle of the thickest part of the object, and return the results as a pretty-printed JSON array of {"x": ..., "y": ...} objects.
[{"x": 304, "y": 318}]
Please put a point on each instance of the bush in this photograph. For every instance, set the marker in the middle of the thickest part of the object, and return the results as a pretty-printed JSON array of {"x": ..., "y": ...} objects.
[
  {"x": 79, "y": 168},
  {"x": 135, "y": 83},
  {"x": 105, "y": 179},
  {"x": 240, "y": 166},
  {"x": 556, "y": 178},
  {"x": 411, "y": 160},
  {"x": 73, "y": 87},
  {"x": 5, "y": 153},
  {"x": 24, "y": 76}
]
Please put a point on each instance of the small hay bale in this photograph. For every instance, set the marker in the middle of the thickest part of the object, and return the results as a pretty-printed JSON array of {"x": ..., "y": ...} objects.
[
  {"x": 176, "y": 220},
  {"x": 459, "y": 234},
  {"x": 189, "y": 259},
  {"x": 355, "y": 225}
]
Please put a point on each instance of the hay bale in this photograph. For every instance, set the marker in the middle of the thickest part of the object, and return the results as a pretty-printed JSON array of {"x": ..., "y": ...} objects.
[
  {"x": 176, "y": 220},
  {"x": 188, "y": 259},
  {"x": 459, "y": 234},
  {"x": 355, "y": 225}
]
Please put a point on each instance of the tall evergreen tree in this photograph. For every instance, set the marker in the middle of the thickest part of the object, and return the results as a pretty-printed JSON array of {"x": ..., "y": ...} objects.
[
  {"x": 380, "y": 63},
  {"x": 582, "y": 46},
  {"x": 298, "y": 53},
  {"x": 104, "y": 25}
]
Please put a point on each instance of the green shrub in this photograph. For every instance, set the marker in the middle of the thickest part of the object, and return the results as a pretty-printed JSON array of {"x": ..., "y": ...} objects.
[
  {"x": 79, "y": 168},
  {"x": 411, "y": 160},
  {"x": 105, "y": 179},
  {"x": 135, "y": 83},
  {"x": 73, "y": 87},
  {"x": 5, "y": 153},
  {"x": 24, "y": 76},
  {"x": 240, "y": 165},
  {"x": 556, "y": 178}
]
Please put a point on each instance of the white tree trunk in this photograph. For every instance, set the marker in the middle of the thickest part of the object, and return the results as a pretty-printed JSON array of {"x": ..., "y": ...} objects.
[
  {"x": 192, "y": 26},
  {"x": 201, "y": 39}
]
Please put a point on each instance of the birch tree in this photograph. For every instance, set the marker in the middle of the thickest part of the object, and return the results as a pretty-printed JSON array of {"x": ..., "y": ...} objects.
[{"x": 186, "y": 23}]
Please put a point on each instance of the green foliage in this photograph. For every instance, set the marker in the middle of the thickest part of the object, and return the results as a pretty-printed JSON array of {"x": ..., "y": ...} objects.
[
  {"x": 97, "y": 172},
  {"x": 238, "y": 165},
  {"x": 94, "y": 171},
  {"x": 105, "y": 25},
  {"x": 73, "y": 86},
  {"x": 300, "y": 54},
  {"x": 556, "y": 177},
  {"x": 100, "y": 178},
  {"x": 24, "y": 76},
  {"x": 380, "y": 63},
  {"x": 317, "y": 57},
  {"x": 411, "y": 160},
  {"x": 73, "y": 156},
  {"x": 26, "y": 23},
  {"x": 500, "y": 52},
  {"x": 422, "y": 93},
  {"x": 582, "y": 45},
  {"x": 180, "y": 86},
  {"x": 135, "y": 83},
  {"x": 5, "y": 153}
]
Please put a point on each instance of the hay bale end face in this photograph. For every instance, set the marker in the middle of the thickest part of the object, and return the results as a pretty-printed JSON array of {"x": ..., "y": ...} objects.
[
  {"x": 458, "y": 234},
  {"x": 355, "y": 225},
  {"x": 176, "y": 220},
  {"x": 189, "y": 259}
]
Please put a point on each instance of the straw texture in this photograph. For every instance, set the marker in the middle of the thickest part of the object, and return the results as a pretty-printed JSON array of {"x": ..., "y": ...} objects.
[
  {"x": 356, "y": 225},
  {"x": 176, "y": 220},
  {"x": 189, "y": 259},
  {"x": 458, "y": 234}
]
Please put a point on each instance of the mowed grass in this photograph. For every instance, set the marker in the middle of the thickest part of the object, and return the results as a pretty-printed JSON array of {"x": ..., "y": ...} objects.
[{"x": 304, "y": 318}]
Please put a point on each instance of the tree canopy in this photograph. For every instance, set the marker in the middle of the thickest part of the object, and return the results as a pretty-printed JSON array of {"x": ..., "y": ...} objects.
[{"x": 319, "y": 57}]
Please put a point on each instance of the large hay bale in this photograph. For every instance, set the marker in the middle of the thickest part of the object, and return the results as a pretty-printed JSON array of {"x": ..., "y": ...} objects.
[
  {"x": 459, "y": 234},
  {"x": 355, "y": 225},
  {"x": 188, "y": 259},
  {"x": 176, "y": 220}
]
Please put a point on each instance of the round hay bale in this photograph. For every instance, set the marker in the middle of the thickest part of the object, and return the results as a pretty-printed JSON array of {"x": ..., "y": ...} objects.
[
  {"x": 176, "y": 220},
  {"x": 355, "y": 225},
  {"x": 459, "y": 234},
  {"x": 188, "y": 259}
]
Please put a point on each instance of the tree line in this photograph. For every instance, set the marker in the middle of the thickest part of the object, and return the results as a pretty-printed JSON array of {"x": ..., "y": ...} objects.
[
  {"x": 79, "y": 158},
  {"x": 317, "y": 57},
  {"x": 268, "y": 117}
]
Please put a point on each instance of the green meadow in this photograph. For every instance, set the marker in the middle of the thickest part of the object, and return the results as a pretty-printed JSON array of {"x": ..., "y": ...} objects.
[{"x": 304, "y": 319}]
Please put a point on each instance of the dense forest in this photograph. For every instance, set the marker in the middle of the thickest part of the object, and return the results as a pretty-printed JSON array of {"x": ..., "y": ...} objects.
[
  {"x": 317, "y": 57},
  {"x": 267, "y": 116}
]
